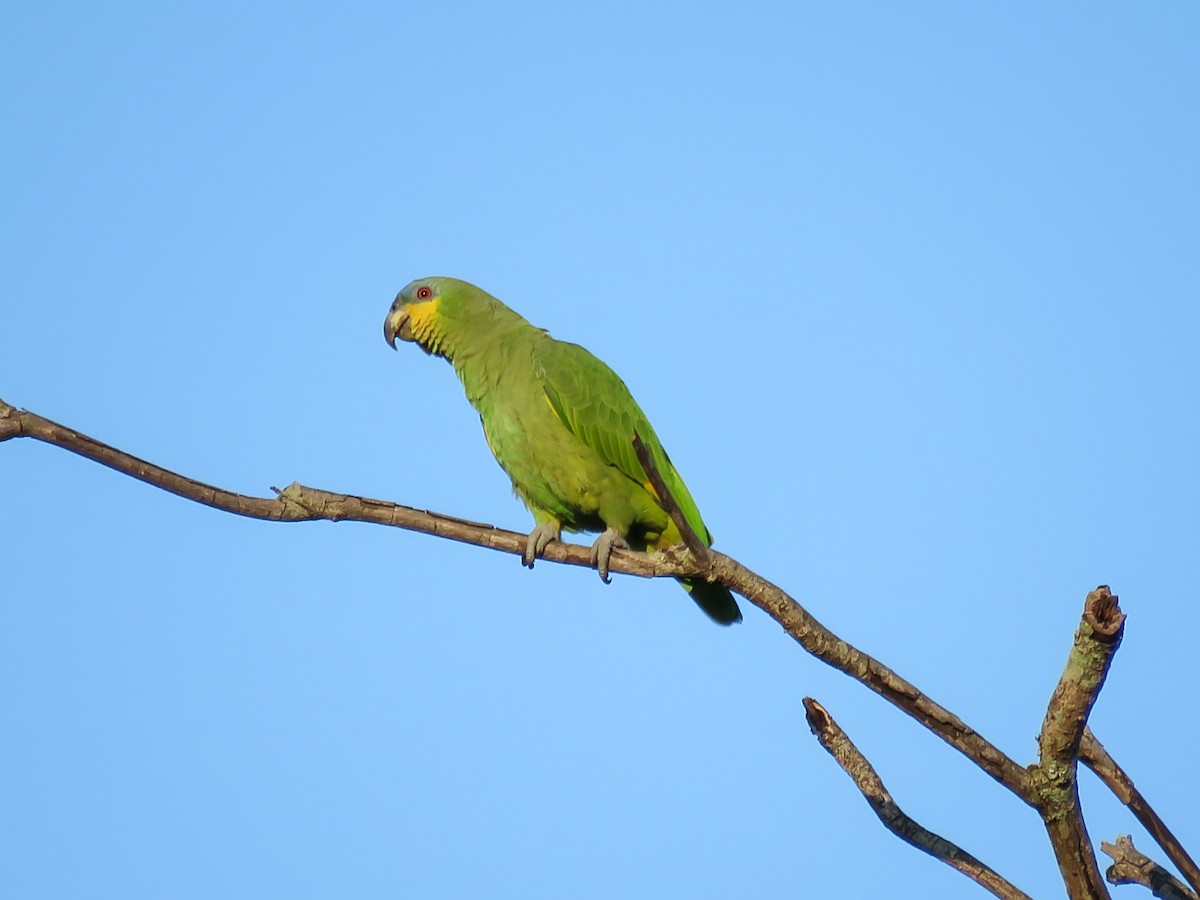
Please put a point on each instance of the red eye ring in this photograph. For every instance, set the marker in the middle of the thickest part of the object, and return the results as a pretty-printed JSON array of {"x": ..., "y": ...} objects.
[{"x": 424, "y": 292}]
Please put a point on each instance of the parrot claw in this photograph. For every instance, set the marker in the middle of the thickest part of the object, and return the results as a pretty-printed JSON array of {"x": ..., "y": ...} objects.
[
  {"x": 537, "y": 541},
  {"x": 602, "y": 549}
]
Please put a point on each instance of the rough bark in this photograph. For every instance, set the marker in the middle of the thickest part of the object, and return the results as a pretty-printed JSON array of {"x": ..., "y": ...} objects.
[{"x": 1054, "y": 778}]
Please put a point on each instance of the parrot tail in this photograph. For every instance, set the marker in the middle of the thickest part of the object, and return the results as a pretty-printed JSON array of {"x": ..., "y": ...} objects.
[{"x": 715, "y": 599}]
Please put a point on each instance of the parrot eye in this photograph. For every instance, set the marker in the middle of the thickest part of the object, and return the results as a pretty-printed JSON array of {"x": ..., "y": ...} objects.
[{"x": 424, "y": 292}]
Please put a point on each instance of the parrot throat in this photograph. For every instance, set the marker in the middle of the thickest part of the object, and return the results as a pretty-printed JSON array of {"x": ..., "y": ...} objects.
[
  {"x": 424, "y": 326},
  {"x": 459, "y": 339}
]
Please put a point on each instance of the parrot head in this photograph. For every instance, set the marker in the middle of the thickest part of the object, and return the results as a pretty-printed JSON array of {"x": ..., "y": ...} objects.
[
  {"x": 438, "y": 313},
  {"x": 415, "y": 305}
]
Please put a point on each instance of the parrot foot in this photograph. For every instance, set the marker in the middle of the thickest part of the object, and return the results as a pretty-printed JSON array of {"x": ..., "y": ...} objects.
[
  {"x": 602, "y": 549},
  {"x": 538, "y": 539}
]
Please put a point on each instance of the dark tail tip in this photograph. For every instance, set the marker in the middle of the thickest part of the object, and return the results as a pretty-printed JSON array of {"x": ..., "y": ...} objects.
[{"x": 715, "y": 599}]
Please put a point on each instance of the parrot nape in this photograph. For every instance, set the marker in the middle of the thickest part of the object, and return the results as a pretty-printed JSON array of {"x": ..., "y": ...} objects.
[{"x": 560, "y": 423}]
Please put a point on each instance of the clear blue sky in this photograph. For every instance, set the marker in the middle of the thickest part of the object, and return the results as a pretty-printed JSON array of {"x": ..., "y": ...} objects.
[{"x": 911, "y": 293}]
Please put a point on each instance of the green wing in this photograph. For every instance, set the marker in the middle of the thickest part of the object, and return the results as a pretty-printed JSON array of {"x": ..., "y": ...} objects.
[{"x": 593, "y": 402}]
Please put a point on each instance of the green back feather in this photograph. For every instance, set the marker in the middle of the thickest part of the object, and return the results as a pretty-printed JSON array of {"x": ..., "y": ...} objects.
[{"x": 592, "y": 401}]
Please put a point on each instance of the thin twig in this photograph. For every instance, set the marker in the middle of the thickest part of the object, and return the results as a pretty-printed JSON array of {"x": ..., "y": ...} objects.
[
  {"x": 668, "y": 502},
  {"x": 1132, "y": 867},
  {"x": 1093, "y": 755},
  {"x": 862, "y": 773},
  {"x": 1054, "y": 778}
]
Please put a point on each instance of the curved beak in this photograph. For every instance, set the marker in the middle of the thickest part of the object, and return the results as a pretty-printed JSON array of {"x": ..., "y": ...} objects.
[{"x": 395, "y": 326}]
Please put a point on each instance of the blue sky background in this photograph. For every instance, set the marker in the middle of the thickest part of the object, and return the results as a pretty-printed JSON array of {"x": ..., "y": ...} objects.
[{"x": 910, "y": 291}]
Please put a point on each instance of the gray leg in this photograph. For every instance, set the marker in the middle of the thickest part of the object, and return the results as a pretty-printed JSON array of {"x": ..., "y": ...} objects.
[
  {"x": 538, "y": 539},
  {"x": 602, "y": 549}
]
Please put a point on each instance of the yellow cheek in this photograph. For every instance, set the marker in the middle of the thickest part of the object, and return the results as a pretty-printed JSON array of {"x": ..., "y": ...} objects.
[{"x": 421, "y": 318}]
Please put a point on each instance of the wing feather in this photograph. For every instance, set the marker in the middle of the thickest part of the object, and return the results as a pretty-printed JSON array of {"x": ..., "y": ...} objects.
[{"x": 594, "y": 404}]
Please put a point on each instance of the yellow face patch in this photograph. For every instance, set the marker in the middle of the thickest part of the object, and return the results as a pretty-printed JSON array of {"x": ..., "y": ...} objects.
[{"x": 422, "y": 318}]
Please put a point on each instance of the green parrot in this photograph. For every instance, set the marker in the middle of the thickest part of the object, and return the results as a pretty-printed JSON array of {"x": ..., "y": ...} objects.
[{"x": 560, "y": 423}]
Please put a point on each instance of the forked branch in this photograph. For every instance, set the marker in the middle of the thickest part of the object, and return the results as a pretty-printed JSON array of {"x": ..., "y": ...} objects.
[{"x": 1049, "y": 787}]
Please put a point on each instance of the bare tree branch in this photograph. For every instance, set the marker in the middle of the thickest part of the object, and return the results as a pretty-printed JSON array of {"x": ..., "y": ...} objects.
[
  {"x": 1054, "y": 778},
  {"x": 297, "y": 504},
  {"x": 826, "y": 646},
  {"x": 1096, "y": 640},
  {"x": 1096, "y": 758},
  {"x": 1131, "y": 867},
  {"x": 1049, "y": 787},
  {"x": 850, "y": 758}
]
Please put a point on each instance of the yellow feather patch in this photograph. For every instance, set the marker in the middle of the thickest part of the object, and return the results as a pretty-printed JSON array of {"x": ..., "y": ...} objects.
[
  {"x": 552, "y": 409},
  {"x": 650, "y": 490},
  {"x": 422, "y": 319}
]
